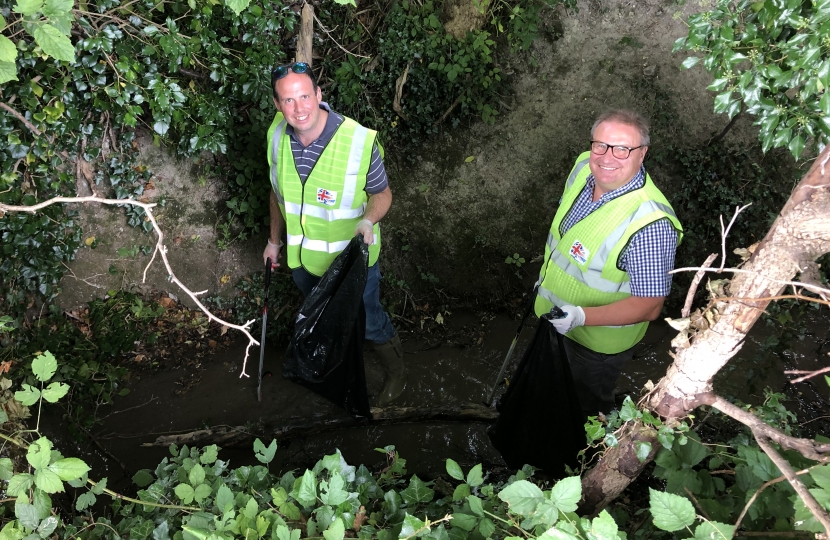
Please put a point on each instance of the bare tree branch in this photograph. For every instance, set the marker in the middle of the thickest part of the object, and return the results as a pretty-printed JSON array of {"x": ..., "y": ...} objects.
[
  {"x": 809, "y": 374},
  {"x": 725, "y": 233},
  {"x": 687, "y": 307},
  {"x": 810, "y": 287},
  {"x": 784, "y": 466},
  {"x": 161, "y": 249}
]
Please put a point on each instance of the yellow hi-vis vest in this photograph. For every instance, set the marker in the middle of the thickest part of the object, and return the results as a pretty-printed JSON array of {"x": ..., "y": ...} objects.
[
  {"x": 321, "y": 215},
  {"x": 581, "y": 266}
]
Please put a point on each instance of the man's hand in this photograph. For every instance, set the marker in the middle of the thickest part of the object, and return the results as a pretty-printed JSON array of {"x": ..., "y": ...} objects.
[
  {"x": 273, "y": 251},
  {"x": 364, "y": 228},
  {"x": 574, "y": 316}
]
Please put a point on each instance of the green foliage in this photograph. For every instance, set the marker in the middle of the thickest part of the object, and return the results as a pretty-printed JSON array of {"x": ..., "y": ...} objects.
[
  {"x": 246, "y": 304},
  {"x": 722, "y": 479},
  {"x": 770, "y": 58}
]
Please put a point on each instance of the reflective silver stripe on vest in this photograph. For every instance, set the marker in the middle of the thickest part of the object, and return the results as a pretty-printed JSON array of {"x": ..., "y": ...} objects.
[
  {"x": 575, "y": 172},
  {"x": 322, "y": 213},
  {"x": 275, "y": 159},
  {"x": 353, "y": 167},
  {"x": 326, "y": 247},
  {"x": 317, "y": 245},
  {"x": 551, "y": 242},
  {"x": 592, "y": 276}
]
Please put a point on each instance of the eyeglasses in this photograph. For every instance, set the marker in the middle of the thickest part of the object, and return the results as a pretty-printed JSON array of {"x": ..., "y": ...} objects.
[
  {"x": 619, "y": 152},
  {"x": 281, "y": 71}
]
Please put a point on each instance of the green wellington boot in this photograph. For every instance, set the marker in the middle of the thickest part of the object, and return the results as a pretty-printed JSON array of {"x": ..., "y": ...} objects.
[{"x": 391, "y": 358}]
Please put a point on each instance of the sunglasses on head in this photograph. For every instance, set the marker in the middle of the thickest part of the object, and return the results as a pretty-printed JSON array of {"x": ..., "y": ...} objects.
[{"x": 281, "y": 71}]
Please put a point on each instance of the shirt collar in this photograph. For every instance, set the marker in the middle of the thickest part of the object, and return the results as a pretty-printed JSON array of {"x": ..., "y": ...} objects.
[
  {"x": 637, "y": 182},
  {"x": 332, "y": 123}
]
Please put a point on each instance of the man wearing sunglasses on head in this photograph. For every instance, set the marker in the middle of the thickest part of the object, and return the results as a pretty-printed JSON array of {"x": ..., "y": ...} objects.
[
  {"x": 329, "y": 184},
  {"x": 610, "y": 248}
]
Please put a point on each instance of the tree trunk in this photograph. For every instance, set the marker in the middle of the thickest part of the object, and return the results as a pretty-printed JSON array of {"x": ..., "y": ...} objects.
[{"x": 800, "y": 235}]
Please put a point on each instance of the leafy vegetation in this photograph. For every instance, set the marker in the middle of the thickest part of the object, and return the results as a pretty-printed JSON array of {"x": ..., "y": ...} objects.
[{"x": 769, "y": 58}]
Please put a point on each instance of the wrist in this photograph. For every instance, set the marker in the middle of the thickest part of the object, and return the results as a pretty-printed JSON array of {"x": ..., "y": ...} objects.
[{"x": 281, "y": 243}]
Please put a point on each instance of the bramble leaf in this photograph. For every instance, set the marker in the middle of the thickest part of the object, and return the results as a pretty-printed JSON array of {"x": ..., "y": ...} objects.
[{"x": 670, "y": 512}]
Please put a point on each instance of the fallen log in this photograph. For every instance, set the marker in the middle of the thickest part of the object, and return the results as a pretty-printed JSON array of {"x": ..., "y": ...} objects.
[{"x": 236, "y": 436}]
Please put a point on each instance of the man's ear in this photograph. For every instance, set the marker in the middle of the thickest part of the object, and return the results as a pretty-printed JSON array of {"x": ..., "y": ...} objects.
[{"x": 276, "y": 103}]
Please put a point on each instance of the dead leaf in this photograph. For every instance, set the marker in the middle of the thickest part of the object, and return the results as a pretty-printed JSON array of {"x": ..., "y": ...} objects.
[
  {"x": 5, "y": 366},
  {"x": 224, "y": 279},
  {"x": 167, "y": 302},
  {"x": 359, "y": 519},
  {"x": 212, "y": 343},
  {"x": 224, "y": 330}
]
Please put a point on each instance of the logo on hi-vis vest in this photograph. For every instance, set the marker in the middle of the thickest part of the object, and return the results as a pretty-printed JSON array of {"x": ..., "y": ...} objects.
[
  {"x": 579, "y": 252},
  {"x": 329, "y": 198}
]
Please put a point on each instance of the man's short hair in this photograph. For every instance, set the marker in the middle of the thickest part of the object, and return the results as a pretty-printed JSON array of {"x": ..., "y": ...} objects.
[
  {"x": 309, "y": 73},
  {"x": 627, "y": 117}
]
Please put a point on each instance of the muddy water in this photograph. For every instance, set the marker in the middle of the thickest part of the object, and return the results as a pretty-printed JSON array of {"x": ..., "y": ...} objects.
[{"x": 457, "y": 368}]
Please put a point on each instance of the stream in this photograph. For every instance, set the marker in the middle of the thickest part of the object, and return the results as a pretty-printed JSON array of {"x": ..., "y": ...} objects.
[{"x": 443, "y": 372}]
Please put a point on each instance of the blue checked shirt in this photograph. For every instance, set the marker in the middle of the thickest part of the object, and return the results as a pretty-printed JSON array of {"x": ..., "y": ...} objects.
[{"x": 650, "y": 254}]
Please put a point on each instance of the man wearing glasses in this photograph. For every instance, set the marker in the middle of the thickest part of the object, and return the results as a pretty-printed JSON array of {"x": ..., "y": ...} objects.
[
  {"x": 610, "y": 248},
  {"x": 329, "y": 184}
]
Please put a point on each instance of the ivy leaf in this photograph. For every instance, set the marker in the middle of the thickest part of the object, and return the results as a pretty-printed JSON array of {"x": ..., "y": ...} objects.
[
  {"x": 44, "y": 366},
  {"x": 796, "y": 145},
  {"x": 185, "y": 493},
  {"x": 336, "y": 531},
  {"x": 689, "y": 62},
  {"x": 8, "y": 72},
  {"x": 161, "y": 126},
  {"x": 8, "y": 52},
  {"x": 566, "y": 494},
  {"x": 629, "y": 410},
  {"x": 417, "y": 492},
  {"x": 237, "y": 6},
  {"x": 712, "y": 530},
  {"x": 69, "y": 468},
  {"x": 54, "y": 43},
  {"x": 670, "y": 512},
  {"x": 522, "y": 496},
  {"x": 643, "y": 450},
  {"x": 410, "y": 525},
  {"x": 48, "y": 481},
  {"x": 474, "y": 477},
  {"x": 55, "y": 391},
  {"x": 53, "y": 8},
  {"x": 454, "y": 470},
  {"x": 28, "y": 7}
]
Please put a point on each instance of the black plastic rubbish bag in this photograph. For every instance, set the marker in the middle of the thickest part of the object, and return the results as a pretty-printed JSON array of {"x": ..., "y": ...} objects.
[
  {"x": 540, "y": 421},
  {"x": 326, "y": 350}
]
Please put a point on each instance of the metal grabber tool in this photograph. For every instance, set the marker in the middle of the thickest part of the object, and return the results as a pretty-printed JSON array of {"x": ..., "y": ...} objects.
[{"x": 264, "y": 323}]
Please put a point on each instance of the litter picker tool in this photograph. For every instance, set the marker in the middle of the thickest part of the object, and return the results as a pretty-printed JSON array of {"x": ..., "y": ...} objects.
[
  {"x": 557, "y": 312},
  {"x": 264, "y": 323}
]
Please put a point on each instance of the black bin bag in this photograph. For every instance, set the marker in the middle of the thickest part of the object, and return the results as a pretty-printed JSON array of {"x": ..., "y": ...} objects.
[
  {"x": 540, "y": 421},
  {"x": 326, "y": 350}
]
